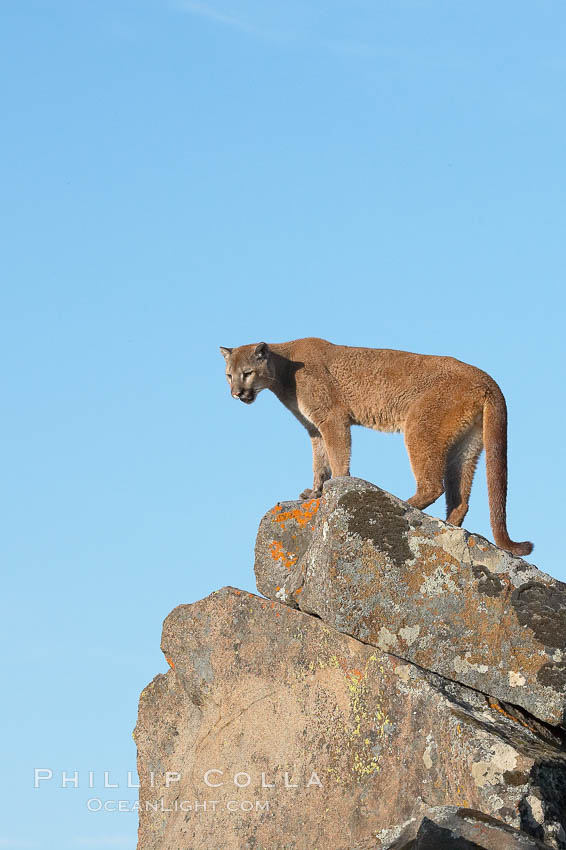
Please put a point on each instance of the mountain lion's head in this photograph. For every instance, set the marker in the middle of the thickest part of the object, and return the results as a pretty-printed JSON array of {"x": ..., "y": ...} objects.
[{"x": 248, "y": 370}]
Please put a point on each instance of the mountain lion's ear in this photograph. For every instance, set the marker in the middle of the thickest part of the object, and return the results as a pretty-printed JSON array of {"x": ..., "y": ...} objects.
[
  {"x": 225, "y": 352},
  {"x": 261, "y": 351}
]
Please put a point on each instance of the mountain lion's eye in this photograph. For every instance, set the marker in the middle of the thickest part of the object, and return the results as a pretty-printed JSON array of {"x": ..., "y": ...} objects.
[
  {"x": 229, "y": 377},
  {"x": 246, "y": 374}
]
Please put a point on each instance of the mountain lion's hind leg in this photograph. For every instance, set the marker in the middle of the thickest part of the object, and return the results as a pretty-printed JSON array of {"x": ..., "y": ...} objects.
[
  {"x": 427, "y": 456},
  {"x": 320, "y": 466},
  {"x": 459, "y": 473}
]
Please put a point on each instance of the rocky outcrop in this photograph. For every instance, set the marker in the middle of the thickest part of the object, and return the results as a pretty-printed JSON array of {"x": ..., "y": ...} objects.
[
  {"x": 375, "y": 568},
  {"x": 274, "y": 729}
]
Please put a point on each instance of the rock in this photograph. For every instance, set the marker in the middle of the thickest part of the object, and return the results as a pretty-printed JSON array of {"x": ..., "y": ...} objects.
[
  {"x": 310, "y": 739},
  {"x": 451, "y": 828},
  {"x": 391, "y": 576}
]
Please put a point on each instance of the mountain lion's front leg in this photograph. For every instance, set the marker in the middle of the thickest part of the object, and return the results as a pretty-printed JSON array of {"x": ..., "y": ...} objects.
[
  {"x": 320, "y": 466},
  {"x": 337, "y": 442}
]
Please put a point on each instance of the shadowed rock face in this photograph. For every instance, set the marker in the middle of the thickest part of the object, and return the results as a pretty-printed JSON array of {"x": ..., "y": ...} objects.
[
  {"x": 336, "y": 744},
  {"x": 450, "y": 828},
  {"x": 387, "y": 574}
]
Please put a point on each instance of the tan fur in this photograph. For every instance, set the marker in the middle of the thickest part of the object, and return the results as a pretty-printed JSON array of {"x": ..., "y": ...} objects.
[{"x": 447, "y": 410}]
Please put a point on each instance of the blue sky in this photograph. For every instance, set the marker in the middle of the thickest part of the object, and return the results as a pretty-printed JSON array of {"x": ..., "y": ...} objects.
[{"x": 182, "y": 175}]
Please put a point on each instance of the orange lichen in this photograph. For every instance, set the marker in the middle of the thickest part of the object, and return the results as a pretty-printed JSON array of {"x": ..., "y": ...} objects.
[
  {"x": 278, "y": 553},
  {"x": 299, "y": 590},
  {"x": 170, "y": 662},
  {"x": 471, "y": 541},
  {"x": 351, "y": 675},
  {"x": 502, "y": 711},
  {"x": 302, "y": 515}
]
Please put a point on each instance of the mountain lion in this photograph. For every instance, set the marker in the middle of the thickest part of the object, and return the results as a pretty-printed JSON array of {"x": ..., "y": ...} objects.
[{"x": 447, "y": 410}]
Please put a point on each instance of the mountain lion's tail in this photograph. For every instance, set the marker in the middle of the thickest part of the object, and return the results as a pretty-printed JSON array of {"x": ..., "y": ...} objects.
[{"x": 495, "y": 442}]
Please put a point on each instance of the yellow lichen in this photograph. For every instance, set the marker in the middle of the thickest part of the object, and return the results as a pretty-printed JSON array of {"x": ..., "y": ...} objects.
[{"x": 365, "y": 761}]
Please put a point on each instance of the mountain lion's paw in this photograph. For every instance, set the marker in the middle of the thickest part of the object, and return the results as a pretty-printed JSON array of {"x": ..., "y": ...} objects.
[{"x": 310, "y": 494}]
